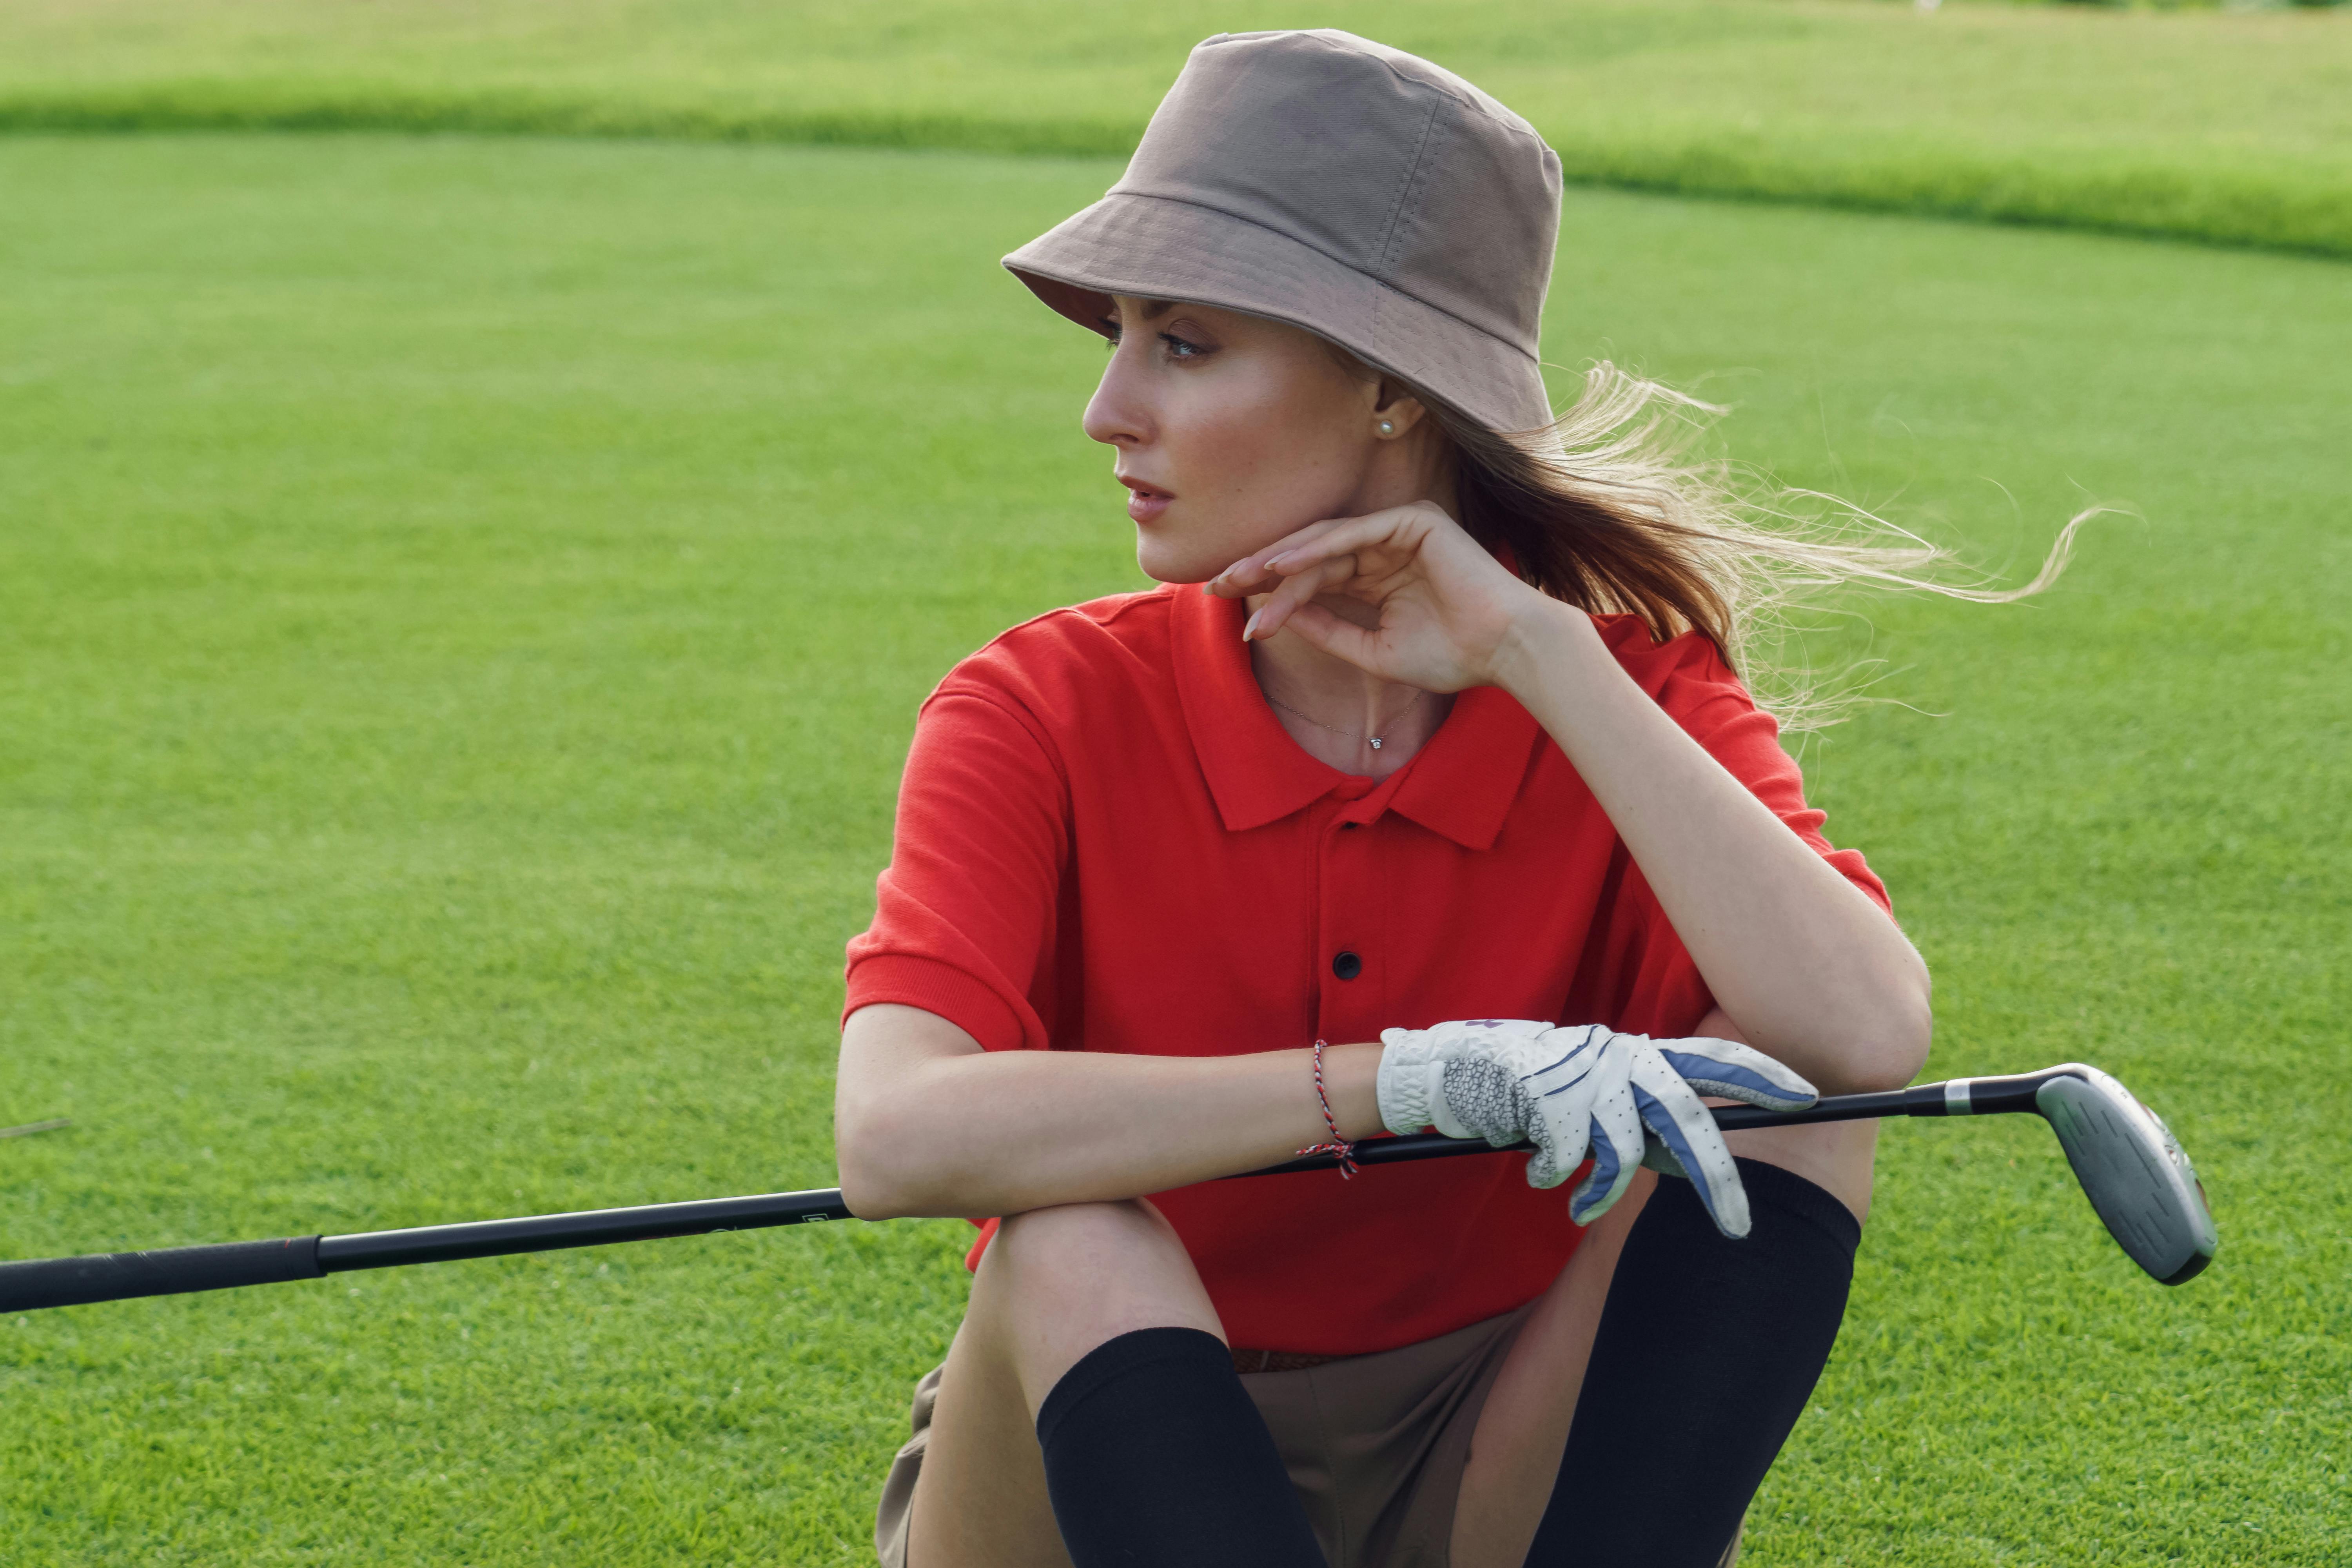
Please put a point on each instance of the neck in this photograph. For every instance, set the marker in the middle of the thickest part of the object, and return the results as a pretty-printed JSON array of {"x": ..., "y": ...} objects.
[
  {"x": 1345, "y": 708},
  {"x": 1339, "y": 709}
]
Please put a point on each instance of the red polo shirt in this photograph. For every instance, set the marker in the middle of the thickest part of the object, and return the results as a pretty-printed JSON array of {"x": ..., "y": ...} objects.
[{"x": 1107, "y": 842}]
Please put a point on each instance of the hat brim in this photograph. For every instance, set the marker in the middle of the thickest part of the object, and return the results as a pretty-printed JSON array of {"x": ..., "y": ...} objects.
[{"x": 1155, "y": 248}]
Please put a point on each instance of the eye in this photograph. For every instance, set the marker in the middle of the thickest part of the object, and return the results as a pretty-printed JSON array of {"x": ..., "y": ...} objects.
[{"x": 1181, "y": 348}]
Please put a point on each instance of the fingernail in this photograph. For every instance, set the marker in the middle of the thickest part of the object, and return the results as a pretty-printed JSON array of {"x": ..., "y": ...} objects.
[
  {"x": 1273, "y": 562},
  {"x": 1251, "y": 624}
]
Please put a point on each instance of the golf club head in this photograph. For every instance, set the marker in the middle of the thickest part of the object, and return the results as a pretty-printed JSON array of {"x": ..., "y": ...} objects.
[{"x": 2132, "y": 1170}]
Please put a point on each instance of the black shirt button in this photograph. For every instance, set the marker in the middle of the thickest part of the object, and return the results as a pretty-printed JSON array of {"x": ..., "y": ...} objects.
[{"x": 1347, "y": 966}]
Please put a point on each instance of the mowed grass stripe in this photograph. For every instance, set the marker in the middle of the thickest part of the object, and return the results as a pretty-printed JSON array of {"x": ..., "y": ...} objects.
[
  {"x": 462, "y": 610},
  {"x": 2230, "y": 129}
]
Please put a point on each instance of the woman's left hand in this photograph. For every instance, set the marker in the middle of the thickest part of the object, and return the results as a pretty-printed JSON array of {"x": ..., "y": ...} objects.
[
  {"x": 1447, "y": 608},
  {"x": 1585, "y": 1087}
]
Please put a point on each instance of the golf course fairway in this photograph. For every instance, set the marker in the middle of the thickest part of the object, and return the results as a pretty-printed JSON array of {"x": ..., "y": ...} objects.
[{"x": 463, "y": 606}]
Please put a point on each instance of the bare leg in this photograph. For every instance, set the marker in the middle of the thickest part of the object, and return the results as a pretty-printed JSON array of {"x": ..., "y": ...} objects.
[
  {"x": 1515, "y": 1455},
  {"x": 1054, "y": 1284}
]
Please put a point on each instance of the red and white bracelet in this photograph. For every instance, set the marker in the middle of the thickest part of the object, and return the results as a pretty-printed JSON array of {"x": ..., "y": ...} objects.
[{"x": 1338, "y": 1145}]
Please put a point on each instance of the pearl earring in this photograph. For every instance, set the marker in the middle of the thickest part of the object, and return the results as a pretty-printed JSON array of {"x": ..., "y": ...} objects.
[{"x": 1388, "y": 427}]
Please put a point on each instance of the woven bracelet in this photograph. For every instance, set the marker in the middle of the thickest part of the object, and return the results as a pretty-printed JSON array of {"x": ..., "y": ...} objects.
[{"x": 1338, "y": 1145}]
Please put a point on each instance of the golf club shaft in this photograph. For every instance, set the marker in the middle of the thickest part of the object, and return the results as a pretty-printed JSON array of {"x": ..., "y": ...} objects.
[{"x": 113, "y": 1276}]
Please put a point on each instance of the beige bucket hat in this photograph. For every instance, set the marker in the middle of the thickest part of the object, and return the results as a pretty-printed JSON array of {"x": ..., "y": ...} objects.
[{"x": 1333, "y": 183}]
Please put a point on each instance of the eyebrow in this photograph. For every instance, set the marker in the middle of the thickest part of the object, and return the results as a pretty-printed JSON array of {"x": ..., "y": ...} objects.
[{"x": 1153, "y": 309}]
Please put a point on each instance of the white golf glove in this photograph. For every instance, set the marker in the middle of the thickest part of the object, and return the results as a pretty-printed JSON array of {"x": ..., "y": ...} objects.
[{"x": 1625, "y": 1098}]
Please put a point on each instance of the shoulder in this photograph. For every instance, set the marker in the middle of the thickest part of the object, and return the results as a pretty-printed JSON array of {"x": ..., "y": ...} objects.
[
  {"x": 1053, "y": 667},
  {"x": 1683, "y": 673},
  {"x": 1688, "y": 676},
  {"x": 1101, "y": 629}
]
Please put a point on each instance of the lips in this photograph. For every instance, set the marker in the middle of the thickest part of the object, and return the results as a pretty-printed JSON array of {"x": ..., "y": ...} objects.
[{"x": 1145, "y": 502}]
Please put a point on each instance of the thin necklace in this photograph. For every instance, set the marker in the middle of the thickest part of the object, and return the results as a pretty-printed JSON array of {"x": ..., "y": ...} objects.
[{"x": 1374, "y": 740}]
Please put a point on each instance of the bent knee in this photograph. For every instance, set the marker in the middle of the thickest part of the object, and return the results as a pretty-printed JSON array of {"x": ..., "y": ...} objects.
[
  {"x": 1082, "y": 1239},
  {"x": 1078, "y": 1274},
  {"x": 1837, "y": 1156}
]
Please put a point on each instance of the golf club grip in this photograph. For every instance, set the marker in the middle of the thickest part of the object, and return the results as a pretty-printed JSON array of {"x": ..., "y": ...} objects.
[{"x": 172, "y": 1271}]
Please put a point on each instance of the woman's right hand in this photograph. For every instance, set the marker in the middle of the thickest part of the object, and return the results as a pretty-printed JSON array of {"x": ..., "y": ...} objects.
[{"x": 1584, "y": 1086}]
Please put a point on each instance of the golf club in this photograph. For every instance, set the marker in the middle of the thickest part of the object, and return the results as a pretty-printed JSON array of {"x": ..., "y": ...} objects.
[{"x": 2132, "y": 1170}]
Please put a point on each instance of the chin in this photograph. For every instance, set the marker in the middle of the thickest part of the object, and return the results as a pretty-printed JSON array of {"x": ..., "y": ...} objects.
[
  {"x": 1168, "y": 561},
  {"x": 1197, "y": 549}
]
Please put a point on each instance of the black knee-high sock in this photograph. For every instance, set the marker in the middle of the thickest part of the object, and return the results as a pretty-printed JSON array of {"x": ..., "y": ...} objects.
[
  {"x": 1707, "y": 1351},
  {"x": 1155, "y": 1457}
]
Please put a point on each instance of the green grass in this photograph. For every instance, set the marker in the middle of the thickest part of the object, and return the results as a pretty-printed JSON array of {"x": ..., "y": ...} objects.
[
  {"x": 462, "y": 608},
  {"x": 2230, "y": 128}
]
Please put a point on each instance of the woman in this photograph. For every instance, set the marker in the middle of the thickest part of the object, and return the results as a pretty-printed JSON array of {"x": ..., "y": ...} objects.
[{"x": 1445, "y": 762}]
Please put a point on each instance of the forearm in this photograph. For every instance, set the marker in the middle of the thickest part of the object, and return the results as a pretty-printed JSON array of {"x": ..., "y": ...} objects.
[
  {"x": 921, "y": 1131},
  {"x": 1814, "y": 972}
]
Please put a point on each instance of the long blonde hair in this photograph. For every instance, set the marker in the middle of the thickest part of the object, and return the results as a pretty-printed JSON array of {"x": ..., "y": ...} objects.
[{"x": 1611, "y": 509}]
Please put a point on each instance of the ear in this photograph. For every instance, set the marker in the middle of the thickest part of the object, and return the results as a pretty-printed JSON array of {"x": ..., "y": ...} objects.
[{"x": 1392, "y": 405}]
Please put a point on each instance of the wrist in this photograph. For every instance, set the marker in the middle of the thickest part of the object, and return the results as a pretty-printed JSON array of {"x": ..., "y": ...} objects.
[
  {"x": 1350, "y": 1081},
  {"x": 1544, "y": 637}
]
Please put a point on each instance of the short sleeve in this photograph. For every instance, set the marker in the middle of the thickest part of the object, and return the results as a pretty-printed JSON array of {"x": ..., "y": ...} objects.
[
  {"x": 965, "y": 912},
  {"x": 1635, "y": 973}
]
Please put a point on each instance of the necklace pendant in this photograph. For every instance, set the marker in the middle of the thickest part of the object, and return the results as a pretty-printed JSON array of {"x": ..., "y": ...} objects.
[{"x": 1376, "y": 742}]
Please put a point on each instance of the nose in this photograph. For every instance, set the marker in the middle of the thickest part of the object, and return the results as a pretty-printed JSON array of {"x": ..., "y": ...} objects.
[{"x": 1119, "y": 413}]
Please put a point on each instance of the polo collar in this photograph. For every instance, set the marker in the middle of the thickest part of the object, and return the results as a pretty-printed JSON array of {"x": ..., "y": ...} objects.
[{"x": 1461, "y": 784}]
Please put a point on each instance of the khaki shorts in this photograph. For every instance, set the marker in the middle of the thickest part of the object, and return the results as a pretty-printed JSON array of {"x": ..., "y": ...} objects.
[{"x": 1375, "y": 1444}]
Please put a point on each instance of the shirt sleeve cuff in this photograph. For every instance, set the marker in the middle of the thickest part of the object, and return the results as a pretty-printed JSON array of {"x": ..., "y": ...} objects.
[{"x": 970, "y": 1005}]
